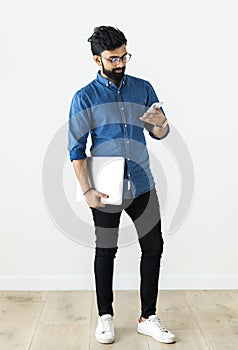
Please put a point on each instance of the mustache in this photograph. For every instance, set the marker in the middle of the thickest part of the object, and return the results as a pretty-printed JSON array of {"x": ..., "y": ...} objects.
[{"x": 115, "y": 69}]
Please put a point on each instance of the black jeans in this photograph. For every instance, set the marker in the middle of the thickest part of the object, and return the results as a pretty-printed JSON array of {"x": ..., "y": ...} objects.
[{"x": 145, "y": 214}]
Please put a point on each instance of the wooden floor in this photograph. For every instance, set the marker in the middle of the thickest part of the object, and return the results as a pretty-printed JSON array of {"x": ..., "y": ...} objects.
[{"x": 66, "y": 320}]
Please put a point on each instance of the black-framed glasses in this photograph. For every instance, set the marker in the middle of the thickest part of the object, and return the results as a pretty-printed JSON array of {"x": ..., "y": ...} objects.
[{"x": 116, "y": 60}]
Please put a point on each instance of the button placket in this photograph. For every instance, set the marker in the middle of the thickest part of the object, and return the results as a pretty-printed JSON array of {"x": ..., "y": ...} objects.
[{"x": 126, "y": 136}]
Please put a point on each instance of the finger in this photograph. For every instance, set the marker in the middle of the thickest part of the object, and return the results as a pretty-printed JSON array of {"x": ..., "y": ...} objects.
[
  {"x": 157, "y": 108},
  {"x": 149, "y": 120},
  {"x": 103, "y": 195},
  {"x": 151, "y": 115},
  {"x": 99, "y": 205},
  {"x": 146, "y": 117}
]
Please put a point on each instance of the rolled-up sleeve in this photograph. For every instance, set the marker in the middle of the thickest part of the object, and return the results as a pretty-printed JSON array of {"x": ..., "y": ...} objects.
[{"x": 78, "y": 128}]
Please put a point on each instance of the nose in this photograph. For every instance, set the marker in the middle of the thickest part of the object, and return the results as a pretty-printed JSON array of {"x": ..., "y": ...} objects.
[{"x": 121, "y": 64}]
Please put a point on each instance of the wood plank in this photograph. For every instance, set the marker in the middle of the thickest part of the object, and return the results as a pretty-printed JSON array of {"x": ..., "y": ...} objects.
[
  {"x": 185, "y": 340},
  {"x": 217, "y": 315},
  {"x": 126, "y": 313},
  {"x": 28, "y": 295},
  {"x": 17, "y": 323},
  {"x": 65, "y": 321},
  {"x": 176, "y": 315},
  {"x": 174, "y": 311},
  {"x": 201, "y": 320},
  {"x": 234, "y": 294}
]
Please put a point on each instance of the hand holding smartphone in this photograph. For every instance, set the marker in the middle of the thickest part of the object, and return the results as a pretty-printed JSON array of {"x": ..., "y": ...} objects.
[{"x": 147, "y": 116}]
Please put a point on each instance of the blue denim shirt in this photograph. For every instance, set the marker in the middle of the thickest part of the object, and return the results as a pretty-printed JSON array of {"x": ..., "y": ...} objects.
[{"x": 110, "y": 114}]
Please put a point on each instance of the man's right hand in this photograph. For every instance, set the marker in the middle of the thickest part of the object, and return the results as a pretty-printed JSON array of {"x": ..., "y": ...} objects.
[{"x": 93, "y": 198}]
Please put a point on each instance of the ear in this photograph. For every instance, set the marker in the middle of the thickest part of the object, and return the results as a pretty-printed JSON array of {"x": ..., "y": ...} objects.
[{"x": 97, "y": 59}]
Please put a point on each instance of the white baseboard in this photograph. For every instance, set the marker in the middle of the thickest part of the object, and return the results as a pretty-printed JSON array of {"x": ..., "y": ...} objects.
[{"x": 74, "y": 282}]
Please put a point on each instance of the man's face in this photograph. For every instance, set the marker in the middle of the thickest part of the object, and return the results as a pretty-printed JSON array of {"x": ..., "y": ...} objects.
[{"x": 113, "y": 71}]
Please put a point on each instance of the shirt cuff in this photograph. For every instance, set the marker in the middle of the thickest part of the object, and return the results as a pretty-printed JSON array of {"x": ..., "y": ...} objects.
[
  {"x": 77, "y": 155},
  {"x": 158, "y": 138}
]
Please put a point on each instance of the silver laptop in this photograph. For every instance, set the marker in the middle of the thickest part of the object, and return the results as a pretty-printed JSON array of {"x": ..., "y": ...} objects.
[{"x": 106, "y": 175}]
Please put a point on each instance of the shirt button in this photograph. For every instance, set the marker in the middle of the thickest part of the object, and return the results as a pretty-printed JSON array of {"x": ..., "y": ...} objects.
[
  {"x": 127, "y": 141},
  {"x": 125, "y": 125},
  {"x": 118, "y": 92},
  {"x": 122, "y": 108},
  {"x": 128, "y": 158}
]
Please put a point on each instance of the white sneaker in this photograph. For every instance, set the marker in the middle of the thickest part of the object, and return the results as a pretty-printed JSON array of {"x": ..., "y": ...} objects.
[
  {"x": 153, "y": 327},
  {"x": 105, "y": 332}
]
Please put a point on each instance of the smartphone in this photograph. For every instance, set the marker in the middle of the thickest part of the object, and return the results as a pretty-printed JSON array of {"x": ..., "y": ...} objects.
[{"x": 156, "y": 104}]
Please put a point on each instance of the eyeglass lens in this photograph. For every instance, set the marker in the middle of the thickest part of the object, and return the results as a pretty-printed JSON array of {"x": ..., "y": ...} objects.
[{"x": 125, "y": 59}]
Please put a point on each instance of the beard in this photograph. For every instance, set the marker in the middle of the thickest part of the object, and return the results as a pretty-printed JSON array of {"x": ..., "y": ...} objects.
[{"x": 112, "y": 74}]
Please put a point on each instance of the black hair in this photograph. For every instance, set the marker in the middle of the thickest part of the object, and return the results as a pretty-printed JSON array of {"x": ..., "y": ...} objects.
[{"x": 106, "y": 38}]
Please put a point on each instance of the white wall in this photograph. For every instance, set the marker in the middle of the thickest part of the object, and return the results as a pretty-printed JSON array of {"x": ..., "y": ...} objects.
[{"x": 187, "y": 50}]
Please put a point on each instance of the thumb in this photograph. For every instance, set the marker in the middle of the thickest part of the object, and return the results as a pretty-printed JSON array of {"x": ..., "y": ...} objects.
[{"x": 103, "y": 195}]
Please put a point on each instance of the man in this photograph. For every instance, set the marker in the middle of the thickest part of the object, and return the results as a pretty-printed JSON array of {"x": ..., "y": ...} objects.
[{"x": 113, "y": 109}]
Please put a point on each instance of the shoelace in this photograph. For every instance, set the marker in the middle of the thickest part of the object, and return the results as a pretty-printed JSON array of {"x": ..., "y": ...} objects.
[
  {"x": 106, "y": 324},
  {"x": 159, "y": 324}
]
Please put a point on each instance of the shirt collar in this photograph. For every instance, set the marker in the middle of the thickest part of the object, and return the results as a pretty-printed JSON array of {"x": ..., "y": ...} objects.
[{"x": 107, "y": 82}]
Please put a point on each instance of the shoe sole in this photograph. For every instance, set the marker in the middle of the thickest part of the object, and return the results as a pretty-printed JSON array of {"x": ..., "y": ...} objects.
[{"x": 166, "y": 341}]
